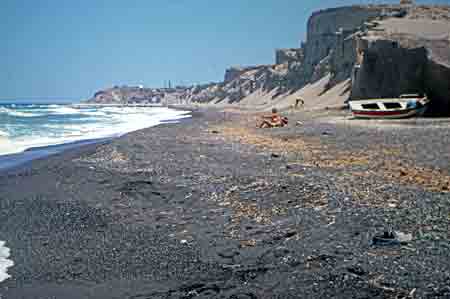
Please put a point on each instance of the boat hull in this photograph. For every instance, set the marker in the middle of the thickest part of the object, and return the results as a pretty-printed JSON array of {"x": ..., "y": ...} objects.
[
  {"x": 405, "y": 113},
  {"x": 390, "y": 108}
]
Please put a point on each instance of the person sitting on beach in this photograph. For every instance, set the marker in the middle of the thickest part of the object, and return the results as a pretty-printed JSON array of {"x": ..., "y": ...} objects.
[{"x": 273, "y": 120}]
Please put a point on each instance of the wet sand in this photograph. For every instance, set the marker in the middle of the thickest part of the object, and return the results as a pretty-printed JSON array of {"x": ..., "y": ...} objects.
[{"x": 213, "y": 208}]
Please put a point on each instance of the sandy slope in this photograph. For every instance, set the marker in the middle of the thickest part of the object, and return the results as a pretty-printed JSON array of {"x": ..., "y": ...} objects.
[{"x": 316, "y": 96}]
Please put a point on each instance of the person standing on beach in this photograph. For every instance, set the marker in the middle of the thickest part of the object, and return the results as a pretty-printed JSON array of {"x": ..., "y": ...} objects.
[{"x": 298, "y": 101}]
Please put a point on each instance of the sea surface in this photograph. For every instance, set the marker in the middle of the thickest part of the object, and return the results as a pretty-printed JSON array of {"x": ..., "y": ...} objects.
[{"x": 30, "y": 131}]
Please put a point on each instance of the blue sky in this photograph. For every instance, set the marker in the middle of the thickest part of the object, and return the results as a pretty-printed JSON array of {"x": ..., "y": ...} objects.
[{"x": 64, "y": 49}]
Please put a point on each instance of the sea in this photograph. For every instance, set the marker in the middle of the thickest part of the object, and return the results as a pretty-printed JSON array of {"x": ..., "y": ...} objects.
[{"x": 33, "y": 130}]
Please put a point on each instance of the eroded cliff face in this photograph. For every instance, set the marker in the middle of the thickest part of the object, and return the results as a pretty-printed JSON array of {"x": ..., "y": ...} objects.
[
  {"x": 407, "y": 55},
  {"x": 133, "y": 95},
  {"x": 289, "y": 56},
  {"x": 240, "y": 82},
  {"x": 330, "y": 48},
  {"x": 364, "y": 51},
  {"x": 327, "y": 33},
  {"x": 387, "y": 50},
  {"x": 122, "y": 94},
  {"x": 437, "y": 87},
  {"x": 387, "y": 69}
]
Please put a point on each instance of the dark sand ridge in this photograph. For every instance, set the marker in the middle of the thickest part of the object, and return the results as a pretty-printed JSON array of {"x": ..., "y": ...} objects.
[{"x": 212, "y": 208}]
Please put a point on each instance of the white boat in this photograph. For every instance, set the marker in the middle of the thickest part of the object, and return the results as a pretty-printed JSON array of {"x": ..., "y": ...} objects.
[{"x": 407, "y": 105}]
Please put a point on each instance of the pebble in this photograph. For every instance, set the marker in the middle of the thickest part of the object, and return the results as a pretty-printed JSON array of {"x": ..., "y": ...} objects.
[{"x": 403, "y": 237}]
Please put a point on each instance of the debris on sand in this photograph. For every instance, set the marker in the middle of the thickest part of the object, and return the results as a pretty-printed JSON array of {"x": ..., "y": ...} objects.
[
  {"x": 391, "y": 238},
  {"x": 321, "y": 153},
  {"x": 386, "y": 239}
]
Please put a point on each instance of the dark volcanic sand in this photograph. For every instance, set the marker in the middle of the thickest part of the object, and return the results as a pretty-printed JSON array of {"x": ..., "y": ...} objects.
[{"x": 184, "y": 211}]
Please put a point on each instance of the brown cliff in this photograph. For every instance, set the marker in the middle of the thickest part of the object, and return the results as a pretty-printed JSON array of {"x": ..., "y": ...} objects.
[{"x": 353, "y": 52}]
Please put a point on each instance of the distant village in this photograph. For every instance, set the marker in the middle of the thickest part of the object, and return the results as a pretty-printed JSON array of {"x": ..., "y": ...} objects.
[{"x": 139, "y": 94}]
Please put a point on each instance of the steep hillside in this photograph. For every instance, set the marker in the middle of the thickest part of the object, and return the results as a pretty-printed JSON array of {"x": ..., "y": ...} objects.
[
  {"x": 123, "y": 95},
  {"x": 137, "y": 94},
  {"x": 353, "y": 52},
  {"x": 328, "y": 50},
  {"x": 407, "y": 55}
]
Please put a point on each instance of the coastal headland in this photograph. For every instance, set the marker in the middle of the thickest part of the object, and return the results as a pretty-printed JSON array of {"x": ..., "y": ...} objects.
[{"x": 350, "y": 53}]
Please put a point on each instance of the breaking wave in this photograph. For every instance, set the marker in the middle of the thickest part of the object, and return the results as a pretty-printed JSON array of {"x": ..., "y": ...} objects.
[
  {"x": 59, "y": 124},
  {"x": 63, "y": 110},
  {"x": 5, "y": 262},
  {"x": 12, "y": 112}
]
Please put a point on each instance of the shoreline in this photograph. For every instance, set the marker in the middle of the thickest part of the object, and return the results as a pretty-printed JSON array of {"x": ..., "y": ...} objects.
[
  {"x": 213, "y": 207},
  {"x": 15, "y": 159},
  {"x": 10, "y": 161}
]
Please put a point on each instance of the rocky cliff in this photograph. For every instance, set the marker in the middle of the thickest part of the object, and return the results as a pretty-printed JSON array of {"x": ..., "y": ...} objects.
[
  {"x": 376, "y": 50},
  {"x": 123, "y": 95},
  {"x": 137, "y": 95},
  {"x": 353, "y": 52},
  {"x": 407, "y": 55}
]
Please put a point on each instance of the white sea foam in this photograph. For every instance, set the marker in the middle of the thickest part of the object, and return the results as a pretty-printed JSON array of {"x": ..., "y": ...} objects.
[
  {"x": 5, "y": 262},
  {"x": 12, "y": 112},
  {"x": 55, "y": 109},
  {"x": 110, "y": 122},
  {"x": 25, "y": 114},
  {"x": 7, "y": 147},
  {"x": 93, "y": 113},
  {"x": 4, "y": 134}
]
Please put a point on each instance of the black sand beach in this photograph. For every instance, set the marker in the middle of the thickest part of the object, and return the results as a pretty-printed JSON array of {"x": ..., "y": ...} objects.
[{"x": 213, "y": 208}]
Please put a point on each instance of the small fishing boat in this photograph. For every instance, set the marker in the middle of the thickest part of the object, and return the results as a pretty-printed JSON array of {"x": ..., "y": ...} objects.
[{"x": 407, "y": 105}]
